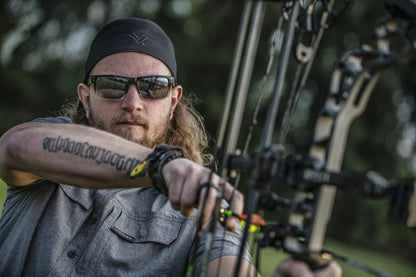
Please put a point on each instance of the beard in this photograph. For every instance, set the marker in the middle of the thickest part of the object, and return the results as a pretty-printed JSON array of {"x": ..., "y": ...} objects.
[{"x": 152, "y": 137}]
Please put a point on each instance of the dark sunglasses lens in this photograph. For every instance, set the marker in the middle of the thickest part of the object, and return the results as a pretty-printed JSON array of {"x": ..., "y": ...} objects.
[
  {"x": 110, "y": 87},
  {"x": 155, "y": 87}
]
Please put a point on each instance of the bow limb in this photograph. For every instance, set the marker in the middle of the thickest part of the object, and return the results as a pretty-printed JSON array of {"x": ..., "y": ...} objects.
[
  {"x": 247, "y": 66},
  {"x": 245, "y": 77},
  {"x": 270, "y": 122}
]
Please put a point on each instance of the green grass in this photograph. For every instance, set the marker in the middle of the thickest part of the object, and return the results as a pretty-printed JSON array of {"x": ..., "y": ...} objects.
[{"x": 391, "y": 263}]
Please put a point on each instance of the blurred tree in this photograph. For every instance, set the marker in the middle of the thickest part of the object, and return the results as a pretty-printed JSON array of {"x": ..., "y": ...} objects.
[{"x": 44, "y": 44}]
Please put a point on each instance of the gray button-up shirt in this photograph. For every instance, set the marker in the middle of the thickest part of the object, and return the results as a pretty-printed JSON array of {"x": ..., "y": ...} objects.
[{"x": 50, "y": 229}]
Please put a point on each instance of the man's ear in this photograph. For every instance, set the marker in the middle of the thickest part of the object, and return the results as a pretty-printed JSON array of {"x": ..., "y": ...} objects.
[
  {"x": 84, "y": 95},
  {"x": 176, "y": 97}
]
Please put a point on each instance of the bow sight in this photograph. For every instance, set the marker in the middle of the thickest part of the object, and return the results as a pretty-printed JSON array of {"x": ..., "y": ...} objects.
[{"x": 271, "y": 167}]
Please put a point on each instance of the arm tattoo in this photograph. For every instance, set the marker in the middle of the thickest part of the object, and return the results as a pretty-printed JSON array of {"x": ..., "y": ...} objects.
[{"x": 89, "y": 152}]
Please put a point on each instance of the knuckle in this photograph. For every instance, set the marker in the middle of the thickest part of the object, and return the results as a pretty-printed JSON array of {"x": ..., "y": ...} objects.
[
  {"x": 238, "y": 196},
  {"x": 213, "y": 193},
  {"x": 179, "y": 171}
]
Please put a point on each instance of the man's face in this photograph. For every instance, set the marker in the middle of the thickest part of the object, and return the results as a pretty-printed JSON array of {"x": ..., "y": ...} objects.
[{"x": 142, "y": 121}]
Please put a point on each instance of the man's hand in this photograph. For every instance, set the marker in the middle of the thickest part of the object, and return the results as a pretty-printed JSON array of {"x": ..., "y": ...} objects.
[
  {"x": 293, "y": 268},
  {"x": 184, "y": 179}
]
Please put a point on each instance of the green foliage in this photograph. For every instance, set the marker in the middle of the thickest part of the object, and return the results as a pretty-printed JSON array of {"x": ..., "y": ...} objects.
[
  {"x": 381, "y": 260},
  {"x": 44, "y": 43}
]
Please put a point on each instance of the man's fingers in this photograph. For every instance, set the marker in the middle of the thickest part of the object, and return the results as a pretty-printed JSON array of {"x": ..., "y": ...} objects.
[
  {"x": 189, "y": 195},
  {"x": 174, "y": 176},
  {"x": 188, "y": 185},
  {"x": 236, "y": 201},
  {"x": 206, "y": 204},
  {"x": 183, "y": 194}
]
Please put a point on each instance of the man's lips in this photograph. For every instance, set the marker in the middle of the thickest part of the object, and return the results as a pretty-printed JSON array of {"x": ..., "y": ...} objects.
[{"x": 130, "y": 123}]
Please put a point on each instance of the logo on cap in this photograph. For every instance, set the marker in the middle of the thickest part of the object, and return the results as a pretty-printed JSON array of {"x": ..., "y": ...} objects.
[{"x": 138, "y": 38}]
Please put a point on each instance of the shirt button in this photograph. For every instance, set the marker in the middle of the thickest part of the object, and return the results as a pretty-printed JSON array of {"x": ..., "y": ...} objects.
[
  {"x": 93, "y": 220},
  {"x": 72, "y": 254}
]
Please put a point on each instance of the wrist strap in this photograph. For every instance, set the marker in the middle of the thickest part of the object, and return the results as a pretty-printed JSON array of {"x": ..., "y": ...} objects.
[{"x": 154, "y": 163}]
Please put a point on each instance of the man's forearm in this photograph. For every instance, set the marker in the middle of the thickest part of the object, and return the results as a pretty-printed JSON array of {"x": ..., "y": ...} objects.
[{"x": 71, "y": 154}]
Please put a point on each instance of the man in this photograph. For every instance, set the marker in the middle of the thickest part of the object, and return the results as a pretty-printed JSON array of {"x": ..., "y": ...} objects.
[
  {"x": 56, "y": 222},
  {"x": 87, "y": 198}
]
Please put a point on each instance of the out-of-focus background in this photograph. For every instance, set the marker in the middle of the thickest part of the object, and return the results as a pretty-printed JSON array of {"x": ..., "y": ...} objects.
[{"x": 43, "y": 45}]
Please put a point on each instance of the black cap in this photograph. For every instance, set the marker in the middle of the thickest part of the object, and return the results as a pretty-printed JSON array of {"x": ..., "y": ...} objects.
[{"x": 131, "y": 35}]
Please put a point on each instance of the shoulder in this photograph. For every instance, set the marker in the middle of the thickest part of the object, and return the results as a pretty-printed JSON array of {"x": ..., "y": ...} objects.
[{"x": 57, "y": 119}]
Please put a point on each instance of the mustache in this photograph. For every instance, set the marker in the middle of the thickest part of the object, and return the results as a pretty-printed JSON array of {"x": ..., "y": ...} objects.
[{"x": 130, "y": 118}]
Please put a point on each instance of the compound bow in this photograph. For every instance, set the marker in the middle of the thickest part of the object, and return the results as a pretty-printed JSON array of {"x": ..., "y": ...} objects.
[{"x": 316, "y": 177}]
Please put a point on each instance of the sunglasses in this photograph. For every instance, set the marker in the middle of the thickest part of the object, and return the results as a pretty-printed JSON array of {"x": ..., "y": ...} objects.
[{"x": 114, "y": 87}]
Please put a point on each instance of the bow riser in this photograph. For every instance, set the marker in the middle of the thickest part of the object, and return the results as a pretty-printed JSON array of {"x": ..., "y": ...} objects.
[
  {"x": 351, "y": 85},
  {"x": 327, "y": 153}
]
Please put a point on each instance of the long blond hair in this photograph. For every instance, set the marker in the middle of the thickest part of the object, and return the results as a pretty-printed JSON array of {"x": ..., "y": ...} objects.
[{"x": 186, "y": 130}]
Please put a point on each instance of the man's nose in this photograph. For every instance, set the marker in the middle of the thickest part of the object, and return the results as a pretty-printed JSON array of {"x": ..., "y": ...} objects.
[{"x": 132, "y": 100}]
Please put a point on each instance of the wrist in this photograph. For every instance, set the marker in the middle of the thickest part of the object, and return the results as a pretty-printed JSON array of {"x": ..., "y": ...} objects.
[{"x": 154, "y": 164}]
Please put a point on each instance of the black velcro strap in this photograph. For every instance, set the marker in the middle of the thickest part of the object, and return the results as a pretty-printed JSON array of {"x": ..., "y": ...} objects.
[{"x": 154, "y": 163}]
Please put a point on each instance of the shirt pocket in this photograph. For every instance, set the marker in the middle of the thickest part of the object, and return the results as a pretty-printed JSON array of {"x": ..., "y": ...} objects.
[
  {"x": 135, "y": 246},
  {"x": 156, "y": 228}
]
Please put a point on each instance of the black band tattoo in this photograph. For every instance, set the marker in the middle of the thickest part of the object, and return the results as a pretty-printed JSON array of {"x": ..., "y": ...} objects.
[{"x": 89, "y": 152}]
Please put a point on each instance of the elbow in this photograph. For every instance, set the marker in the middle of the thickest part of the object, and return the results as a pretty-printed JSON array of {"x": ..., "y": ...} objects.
[{"x": 12, "y": 147}]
